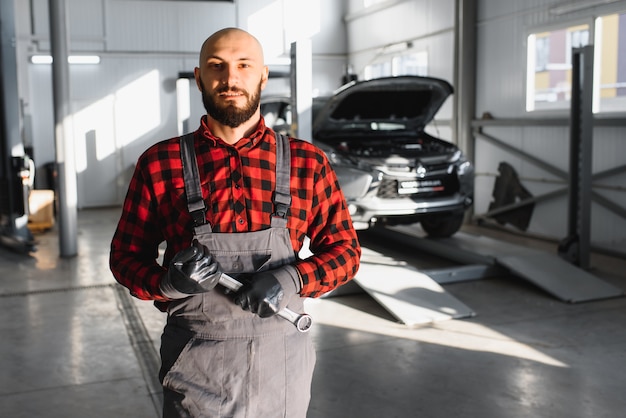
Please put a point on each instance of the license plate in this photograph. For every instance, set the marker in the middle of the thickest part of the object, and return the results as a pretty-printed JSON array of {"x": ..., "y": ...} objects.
[{"x": 419, "y": 186}]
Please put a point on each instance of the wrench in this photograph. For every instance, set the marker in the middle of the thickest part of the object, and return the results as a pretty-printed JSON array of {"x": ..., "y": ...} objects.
[{"x": 302, "y": 321}]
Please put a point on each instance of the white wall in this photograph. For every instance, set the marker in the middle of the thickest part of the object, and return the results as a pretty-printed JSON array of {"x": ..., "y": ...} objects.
[{"x": 126, "y": 102}]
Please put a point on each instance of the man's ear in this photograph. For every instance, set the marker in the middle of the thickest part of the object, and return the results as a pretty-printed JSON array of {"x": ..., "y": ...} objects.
[
  {"x": 265, "y": 76},
  {"x": 196, "y": 75}
]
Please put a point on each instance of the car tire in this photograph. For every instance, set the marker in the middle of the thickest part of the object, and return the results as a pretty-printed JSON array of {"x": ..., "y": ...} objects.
[{"x": 442, "y": 225}]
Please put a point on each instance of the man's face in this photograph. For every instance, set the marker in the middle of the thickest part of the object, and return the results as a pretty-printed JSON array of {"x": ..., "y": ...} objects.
[
  {"x": 231, "y": 75},
  {"x": 229, "y": 112}
]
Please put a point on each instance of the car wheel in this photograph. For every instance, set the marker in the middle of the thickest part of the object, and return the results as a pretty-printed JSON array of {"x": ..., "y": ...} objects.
[{"x": 442, "y": 226}]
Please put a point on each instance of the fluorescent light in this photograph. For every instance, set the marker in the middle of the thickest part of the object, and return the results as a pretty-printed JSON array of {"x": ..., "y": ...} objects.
[
  {"x": 83, "y": 59},
  {"x": 41, "y": 59},
  {"x": 72, "y": 59}
]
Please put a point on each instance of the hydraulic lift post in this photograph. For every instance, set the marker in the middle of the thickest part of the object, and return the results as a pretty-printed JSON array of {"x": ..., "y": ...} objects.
[
  {"x": 576, "y": 247},
  {"x": 13, "y": 169}
]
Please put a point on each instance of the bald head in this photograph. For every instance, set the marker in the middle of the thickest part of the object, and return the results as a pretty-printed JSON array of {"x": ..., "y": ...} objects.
[
  {"x": 232, "y": 40},
  {"x": 231, "y": 74}
]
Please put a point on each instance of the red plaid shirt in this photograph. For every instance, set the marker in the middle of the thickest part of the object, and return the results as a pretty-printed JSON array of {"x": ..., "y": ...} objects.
[{"x": 237, "y": 183}]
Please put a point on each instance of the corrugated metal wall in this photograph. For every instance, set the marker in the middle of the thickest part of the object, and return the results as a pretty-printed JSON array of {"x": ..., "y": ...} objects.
[{"x": 128, "y": 101}]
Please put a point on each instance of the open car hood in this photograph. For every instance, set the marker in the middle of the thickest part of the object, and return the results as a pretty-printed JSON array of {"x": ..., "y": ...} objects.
[{"x": 408, "y": 102}]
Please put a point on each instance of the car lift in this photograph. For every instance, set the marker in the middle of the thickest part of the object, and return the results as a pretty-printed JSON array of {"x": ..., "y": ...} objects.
[
  {"x": 576, "y": 246},
  {"x": 415, "y": 296},
  {"x": 14, "y": 167}
]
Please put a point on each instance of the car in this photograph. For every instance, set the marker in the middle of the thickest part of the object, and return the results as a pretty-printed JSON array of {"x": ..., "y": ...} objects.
[{"x": 391, "y": 171}]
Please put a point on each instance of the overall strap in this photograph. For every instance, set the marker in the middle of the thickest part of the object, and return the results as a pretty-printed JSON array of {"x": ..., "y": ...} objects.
[
  {"x": 195, "y": 201},
  {"x": 282, "y": 193},
  {"x": 193, "y": 190}
]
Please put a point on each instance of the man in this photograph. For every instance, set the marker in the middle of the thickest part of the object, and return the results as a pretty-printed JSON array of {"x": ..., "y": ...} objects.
[{"x": 233, "y": 198}]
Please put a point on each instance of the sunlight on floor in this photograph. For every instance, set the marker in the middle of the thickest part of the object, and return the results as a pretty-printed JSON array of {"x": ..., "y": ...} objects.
[{"x": 460, "y": 334}]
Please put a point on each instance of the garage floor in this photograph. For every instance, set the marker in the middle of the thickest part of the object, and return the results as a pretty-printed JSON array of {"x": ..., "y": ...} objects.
[{"x": 74, "y": 344}]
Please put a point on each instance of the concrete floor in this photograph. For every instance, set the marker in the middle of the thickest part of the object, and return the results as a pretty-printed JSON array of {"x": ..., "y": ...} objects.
[{"x": 74, "y": 344}]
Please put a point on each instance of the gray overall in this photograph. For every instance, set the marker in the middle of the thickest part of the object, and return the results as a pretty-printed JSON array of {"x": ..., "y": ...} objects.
[{"x": 217, "y": 359}]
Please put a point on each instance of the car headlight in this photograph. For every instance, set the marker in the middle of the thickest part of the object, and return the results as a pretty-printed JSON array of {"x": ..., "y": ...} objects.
[
  {"x": 455, "y": 157},
  {"x": 464, "y": 168},
  {"x": 335, "y": 158}
]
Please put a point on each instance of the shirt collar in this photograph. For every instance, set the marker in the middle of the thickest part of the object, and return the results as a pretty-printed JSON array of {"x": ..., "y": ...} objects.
[{"x": 248, "y": 142}]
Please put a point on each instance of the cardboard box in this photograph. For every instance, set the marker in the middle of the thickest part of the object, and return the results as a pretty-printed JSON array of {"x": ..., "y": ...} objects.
[{"x": 41, "y": 209}]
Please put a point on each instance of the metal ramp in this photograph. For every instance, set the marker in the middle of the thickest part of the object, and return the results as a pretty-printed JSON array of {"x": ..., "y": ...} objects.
[
  {"x": 489, "y": 256},
  {"x": 408, "y": 294},
  {"x": 416, "y": 297}
]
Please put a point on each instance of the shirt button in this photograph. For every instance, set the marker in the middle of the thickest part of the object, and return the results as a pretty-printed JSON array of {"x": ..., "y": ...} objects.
[{"x": 240, "y": 221}]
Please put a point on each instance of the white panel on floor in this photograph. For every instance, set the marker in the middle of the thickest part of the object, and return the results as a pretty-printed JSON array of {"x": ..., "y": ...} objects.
[
  {"x": 409, "y": 295},
  {"x": 548, "y": 271}
]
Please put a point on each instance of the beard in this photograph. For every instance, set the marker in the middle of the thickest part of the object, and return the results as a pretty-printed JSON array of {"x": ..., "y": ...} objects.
[{"x": 230, "y": 115}]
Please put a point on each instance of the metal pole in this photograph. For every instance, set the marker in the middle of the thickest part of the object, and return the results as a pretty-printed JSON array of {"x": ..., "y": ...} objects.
[
  {"x": 65, "y": 159},
  {"x": 302, "y": 88},
  {"x": 465, "y": 78},
  {"x": 585, "y": 152},
  {"x": 576, "y": 246},
  {"x": 465, "y": 74}
]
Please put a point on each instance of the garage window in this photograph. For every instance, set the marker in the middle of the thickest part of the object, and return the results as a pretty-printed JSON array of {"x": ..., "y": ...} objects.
[
  {"x": 611, "y": 63},
  {"x": 377, "y": 70},
  {"x": 549, "y": 68},
  {"x": 410, "y": 64},
  {"x": 549, "y": 79},
  {"x": 415, "y": 63},
  {"x": 370, "y": 3}
]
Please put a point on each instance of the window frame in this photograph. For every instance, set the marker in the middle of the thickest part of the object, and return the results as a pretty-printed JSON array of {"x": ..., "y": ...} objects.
[
  {"x": 388, "y": 65},
  {"x": 559, "y": 106},
  {"x": 594, "y": 23}
]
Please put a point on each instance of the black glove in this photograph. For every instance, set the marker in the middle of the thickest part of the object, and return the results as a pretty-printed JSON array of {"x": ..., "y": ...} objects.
[
  {"x": 191, "y": 271},
  {"x": 267, "y": 292}
]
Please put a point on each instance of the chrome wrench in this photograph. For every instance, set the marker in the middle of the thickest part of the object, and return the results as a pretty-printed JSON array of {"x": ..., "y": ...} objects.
[{"x": 302, "y": 321}]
